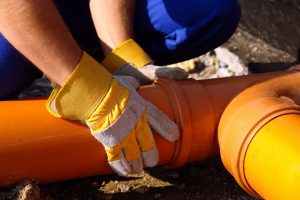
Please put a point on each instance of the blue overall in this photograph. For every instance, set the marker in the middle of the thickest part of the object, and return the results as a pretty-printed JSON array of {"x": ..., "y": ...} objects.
[{"x": 168, "y": 30}]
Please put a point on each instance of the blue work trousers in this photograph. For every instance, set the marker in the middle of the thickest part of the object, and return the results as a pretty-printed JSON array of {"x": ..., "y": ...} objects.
[{"x": 168, "y": 30}]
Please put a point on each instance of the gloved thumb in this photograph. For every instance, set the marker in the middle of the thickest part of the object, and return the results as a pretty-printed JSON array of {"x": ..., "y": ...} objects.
[{"x": 153, "y": 72}]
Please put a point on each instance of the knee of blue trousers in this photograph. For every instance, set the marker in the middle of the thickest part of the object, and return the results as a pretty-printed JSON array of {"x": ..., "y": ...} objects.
[
  {"x": 175, "y": 30},
  {"x": 16, "y": 72}
]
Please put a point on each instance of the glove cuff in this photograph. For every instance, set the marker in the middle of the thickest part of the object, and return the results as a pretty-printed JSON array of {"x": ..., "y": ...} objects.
[
  {"x": 127, "y": 52},
  {"x": 82, "y": 92}
]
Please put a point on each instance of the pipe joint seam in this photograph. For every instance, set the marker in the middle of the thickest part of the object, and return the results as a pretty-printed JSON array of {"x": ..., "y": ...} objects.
[{"x": 182, "y": 119}]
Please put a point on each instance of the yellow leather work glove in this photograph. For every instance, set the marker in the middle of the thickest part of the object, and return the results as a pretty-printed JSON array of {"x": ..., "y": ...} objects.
[
  {"x": 130, "y": 59},
  {"x": 116, "y": 115}
]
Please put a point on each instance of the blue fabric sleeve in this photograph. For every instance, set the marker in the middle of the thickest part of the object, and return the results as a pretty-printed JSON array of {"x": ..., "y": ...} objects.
[
  {"x": 176, "y": 30},
  {"x": 16, "y": 72}
]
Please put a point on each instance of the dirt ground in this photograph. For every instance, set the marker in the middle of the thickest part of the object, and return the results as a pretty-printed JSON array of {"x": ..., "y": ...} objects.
[{"x": 205, "y": 180}]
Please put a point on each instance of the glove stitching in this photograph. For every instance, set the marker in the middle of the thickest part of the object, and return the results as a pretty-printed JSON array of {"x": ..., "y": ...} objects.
[{"x": 98, "y": 102}]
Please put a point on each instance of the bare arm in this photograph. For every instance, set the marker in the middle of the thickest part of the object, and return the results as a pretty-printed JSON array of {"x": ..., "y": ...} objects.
[
  {"x": 35, "y": 28},
  {"x": 113, "y": 20}
]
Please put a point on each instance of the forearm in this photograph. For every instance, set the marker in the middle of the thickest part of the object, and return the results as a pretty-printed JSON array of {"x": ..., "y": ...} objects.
[
  {"x": 113, "y": 20},
  {"x": 35, "y": 28}
]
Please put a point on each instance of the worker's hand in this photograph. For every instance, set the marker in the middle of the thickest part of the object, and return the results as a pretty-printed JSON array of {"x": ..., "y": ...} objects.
[
  {"x": 116, "y": 115},
  {"x": 130, "y": 59}
]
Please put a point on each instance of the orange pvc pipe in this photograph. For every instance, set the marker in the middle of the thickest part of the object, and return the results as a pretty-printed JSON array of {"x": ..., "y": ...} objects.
[
  {"x": 259, "y": 138},
  {"x": 33, "y": 144},
  {"x": 272, "y": 160}
]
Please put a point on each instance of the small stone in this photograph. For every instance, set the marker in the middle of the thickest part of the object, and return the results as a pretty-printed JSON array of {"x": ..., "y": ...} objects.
[
  {"x": 29, "y": 192},
  {"x": 157, "y": 195},
  {"x": 123, "y": 188},
  {"x": 254, "y": 49},
  {"x": 142, "y": 189}
]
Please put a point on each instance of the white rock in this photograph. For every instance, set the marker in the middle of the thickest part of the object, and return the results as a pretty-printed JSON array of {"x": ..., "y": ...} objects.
[{"x": 232, "y": 61}]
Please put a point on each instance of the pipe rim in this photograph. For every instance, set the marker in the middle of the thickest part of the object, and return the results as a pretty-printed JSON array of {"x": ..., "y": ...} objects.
[{"x": 182, "y": 118}]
